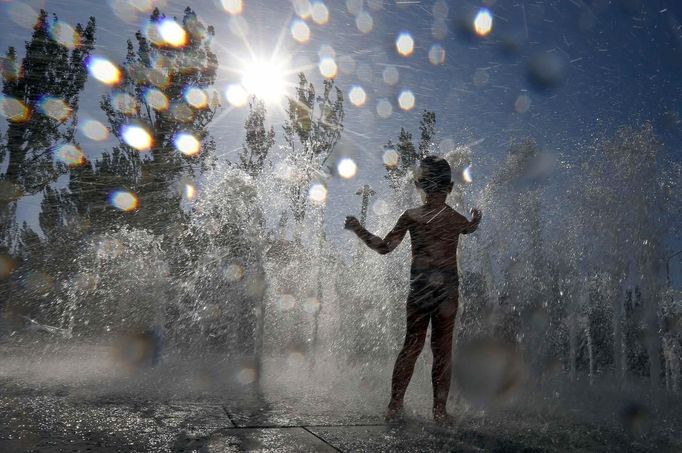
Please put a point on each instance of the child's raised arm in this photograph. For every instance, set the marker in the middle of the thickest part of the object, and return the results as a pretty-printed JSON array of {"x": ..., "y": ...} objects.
[
  {"x": 473, "y": 225},
  {"x": 385, "y": 245}
]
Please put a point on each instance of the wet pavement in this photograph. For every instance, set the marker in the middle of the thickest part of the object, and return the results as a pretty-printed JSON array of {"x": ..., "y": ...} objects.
[{"x": 60, "y": 402}]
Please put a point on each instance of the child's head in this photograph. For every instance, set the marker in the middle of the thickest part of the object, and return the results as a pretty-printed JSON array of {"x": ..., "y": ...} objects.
[{"x": 434, "y": 175}]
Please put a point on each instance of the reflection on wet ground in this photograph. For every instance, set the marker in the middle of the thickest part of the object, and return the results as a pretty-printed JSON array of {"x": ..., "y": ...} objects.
[{"x": 84, "y": 399}]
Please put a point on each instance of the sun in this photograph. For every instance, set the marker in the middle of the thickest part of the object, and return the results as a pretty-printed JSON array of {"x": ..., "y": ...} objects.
[{"x": 265, "y": 79}]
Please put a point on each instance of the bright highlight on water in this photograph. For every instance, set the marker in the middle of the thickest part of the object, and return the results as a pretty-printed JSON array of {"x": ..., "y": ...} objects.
[
  {"x": 137, "y": 137},
  {"x": 104, "y": 71},
  {"x": 70, "y": 155},
  {"x": 172, "y": 33},
  {"x": 187, "y": 144},
  {"x": 483, "y": 23},
  {"x": 404, "y": 44},
  {"x": 347, "y": 168},
  {"x": 123, "y": 200}
]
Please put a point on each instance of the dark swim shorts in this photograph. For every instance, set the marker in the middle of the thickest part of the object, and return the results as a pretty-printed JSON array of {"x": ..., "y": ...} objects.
[{"x": 429, "y": 288}]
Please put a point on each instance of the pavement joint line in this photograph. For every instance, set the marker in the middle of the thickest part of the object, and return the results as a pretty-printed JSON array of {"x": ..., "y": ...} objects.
[
  {"x": 229, "y": 417},
  {"x": 322, "y": 439},
  {"x": 304, "y": 426}
]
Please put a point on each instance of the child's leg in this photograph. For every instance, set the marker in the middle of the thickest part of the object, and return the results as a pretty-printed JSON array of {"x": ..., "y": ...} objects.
[
  {"x": 415, "y": 335},
  {"x": 442, "y": 325}
]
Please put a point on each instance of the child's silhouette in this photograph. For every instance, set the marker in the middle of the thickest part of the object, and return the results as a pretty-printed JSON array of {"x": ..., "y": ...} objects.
[{"x": 434, "y": 230}]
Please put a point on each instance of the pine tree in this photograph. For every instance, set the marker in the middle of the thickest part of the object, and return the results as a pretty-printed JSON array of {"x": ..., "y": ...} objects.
[
  {"x": 40, "y": 100},
  {"x": 167, "y": 91},
  {"x": 259, "y": 140},
  {"x": 407, "y": 158},
  {"x": 311, "y": 131},
  {"x": 408, "y": 155},
  {"x": 427, "y": 128}
]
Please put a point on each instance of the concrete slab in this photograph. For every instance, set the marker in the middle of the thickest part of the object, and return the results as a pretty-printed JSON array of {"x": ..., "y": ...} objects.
[
  {"x": 402, "y": 438},
  {"x": 280, "y": 440}
]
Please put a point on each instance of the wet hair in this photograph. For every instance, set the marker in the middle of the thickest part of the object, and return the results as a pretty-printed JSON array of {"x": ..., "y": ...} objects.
[{"x": 433, "y": 175}]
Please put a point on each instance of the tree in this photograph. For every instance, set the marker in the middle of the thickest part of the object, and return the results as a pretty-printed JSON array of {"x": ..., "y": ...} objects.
[
  {"x": 165, "y": 91},
  {"x": 259, "y": 140},
  {"x": 408, "y": 155},
  {"x": 311, "y": 131},
  {"x": 40, "y": 100},
  {"x": 427, "y": 128},
  {"x": 407, "y": 158}
]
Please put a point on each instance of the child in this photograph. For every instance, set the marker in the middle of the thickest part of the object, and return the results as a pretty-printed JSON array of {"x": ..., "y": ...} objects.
[{"x": 434, "y": 230}]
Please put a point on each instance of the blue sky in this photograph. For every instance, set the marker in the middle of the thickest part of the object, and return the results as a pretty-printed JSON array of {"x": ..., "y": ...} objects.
[{"x": 620, "y": 63}]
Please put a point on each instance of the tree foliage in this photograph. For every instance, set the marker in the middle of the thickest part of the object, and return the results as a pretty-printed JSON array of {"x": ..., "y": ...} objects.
[
  {"x": 259, "y": 140},
  {"x": 49, "y": 72},
  {"x": 153, "y": 70},
  {"x": 408, "y": 154},
  {"x": 311, "y": 131}
]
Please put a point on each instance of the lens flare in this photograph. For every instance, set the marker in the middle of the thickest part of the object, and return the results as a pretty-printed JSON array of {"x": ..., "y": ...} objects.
[
  {"x": 404, "y": 44},
  {"x": 522, "y": 104},
  {"x": 380, "y": 207},
  {"x": 124, "y": 103},
  {"x": 137, "y": 137},
  {"x": 328, "y": 68},
  {"x": 54, "y": 108},
  {"x": 22, "y": 14},
  {"x": 183, "y": 113},
  {"x": 300, "y": 31},
  {"x": 104, "y": 70},
  {"x": 187, "y": 144},
  {"x": 158, "y": 77},
  {"x": 13, "y": 109},
  {"x": 357, "y": 96},
  {"x": 196, "y": 97},
  {"x": 236, "y": 95},
  {"x": 320, "y": 13},
  {"x": 466, "y": 175},
  {"x": 123, "y": 200},
  {"x": 384, "y": 108},
  {"x": 233, "y": 6},
  {"x": 64, "y": 34},
  {"x": 302, "y": 8},
  {"x": 318, "y": 193},
  {"x": 364, "y": 22},
  {"x": 390, "y": 75},
  {"x": 483, "y": 23},
  {"x": 156, "y": 99},
  {"x": 7, "y": 265},
  {"x": 265, "y": 80},
  {"x": 143, "y": 6},
  {"x": 69, "y": 155},
  {"x": 190, "y": 192},
  {"x": 94, "y": 130},
  {"x": 391, "y": 158},
  {"x": 285, "y": 302},
  {"x": 347, "y": 168},
  {"x": 311, "y": 305},
  {"x": 234, "y": 272},
  {"x": 437, "y": 54},
  {"x": 406, "y": 100},
  {"x": 246, "y": 376},
  {"x": 172, "y": 33}
]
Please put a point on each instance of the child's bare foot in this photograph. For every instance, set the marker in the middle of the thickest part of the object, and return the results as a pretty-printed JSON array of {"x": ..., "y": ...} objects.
[
  {"x": 394, "y": 413},
  {"x": 441, "y": 417}
]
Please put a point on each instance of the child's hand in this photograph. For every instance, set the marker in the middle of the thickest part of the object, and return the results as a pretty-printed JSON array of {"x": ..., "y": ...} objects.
[
  {"x": 352, "y": 223},
  {"x": 477, "y": 215}
]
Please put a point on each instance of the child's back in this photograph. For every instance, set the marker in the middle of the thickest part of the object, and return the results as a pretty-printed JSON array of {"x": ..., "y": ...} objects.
[{"x": 434, "y": 233}]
